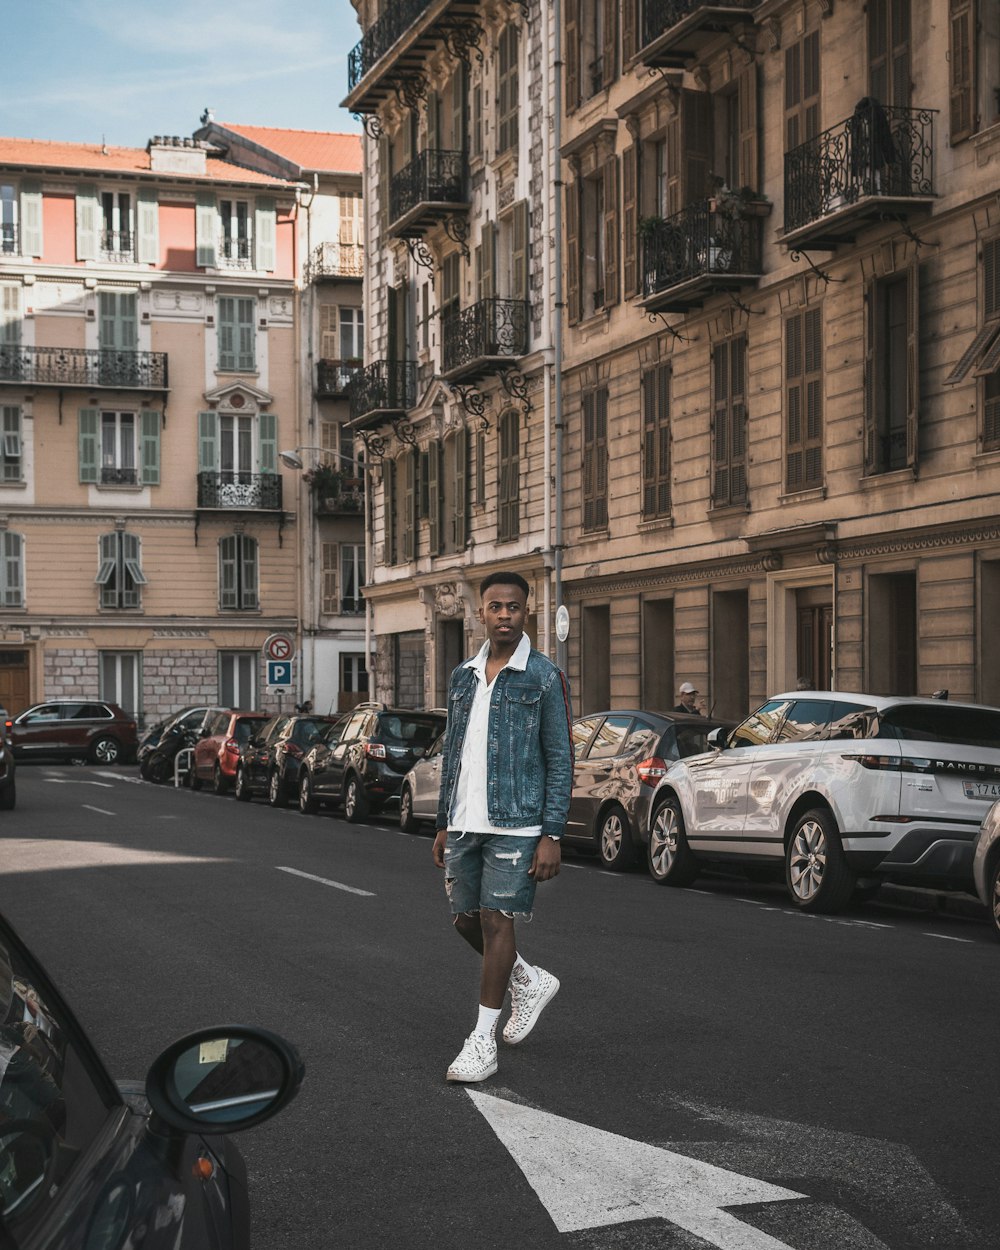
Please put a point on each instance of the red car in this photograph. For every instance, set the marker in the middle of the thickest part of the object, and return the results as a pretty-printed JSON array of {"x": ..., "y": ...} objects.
[{"x": 217, "y": 751}]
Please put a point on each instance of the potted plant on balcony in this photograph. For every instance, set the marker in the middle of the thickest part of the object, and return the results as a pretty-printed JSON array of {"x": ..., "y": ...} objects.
[
  {"x": 736, "y": 204},
  {"x": 325, "y": 482}
]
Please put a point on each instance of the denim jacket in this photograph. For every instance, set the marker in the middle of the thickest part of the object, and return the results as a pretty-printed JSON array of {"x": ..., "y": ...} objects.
[{"x": 529, "y": 748}]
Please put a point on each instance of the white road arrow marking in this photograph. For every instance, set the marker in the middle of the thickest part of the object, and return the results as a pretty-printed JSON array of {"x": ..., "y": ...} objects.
[{"x": 587, "y": 1178}]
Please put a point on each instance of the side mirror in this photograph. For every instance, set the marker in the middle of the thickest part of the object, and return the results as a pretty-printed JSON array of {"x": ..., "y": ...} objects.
[
  {"x": 222, "y": 1080},
  {"x": 717, "y": 738}
]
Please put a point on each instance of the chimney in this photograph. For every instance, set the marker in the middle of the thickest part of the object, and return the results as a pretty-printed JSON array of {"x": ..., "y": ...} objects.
[{"x": 170, "y": 154}]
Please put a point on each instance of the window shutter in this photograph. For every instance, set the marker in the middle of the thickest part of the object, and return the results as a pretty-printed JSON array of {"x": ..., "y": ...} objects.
[
  {"x": 912, "y": 362},
  {"x": 477, "y": 120},
  {"x": 630, "y": 225},
  {"x": 601, "y": 457},
  {"x": 611, "y": 290},
  {"x": 128, "y": 322},
  {"x": 663, "y": 381},
  {"x": 132, "y": 560},
  {"x": 572, "y": 27},
  {"x": 630, "y": 13},
  {"x": 696, "y": 160},
  {"x": 227, "y": 572},
  {"x": 573, "y": 251},
  {"x": 249, "y": 598},
  {"x": 246, "y": 355},
  {"x": 675, "y": 200},
  {"x": 87, "y": 223},
  {"x": 813, "y": 371},
  {"x": 149, "y": 449},
  {"x": 208, "y": 437},
  {"x": 871, "y": 416},
  {"x": 738, "y": 420},
  {"x": 794, "y": 467},
  {"x": 88, "y": 441},
  {"x": 459, "y": 100},
  {"x": 749, "y": 157},
  {"x": 720, "y": 424},
  {"x": 589, "y": 462},
  {"x": 520, "y": 251},
  {"x": 328, "y": 332},
  {"x": 649, "y": 443},
  {"x": 609, "y": 52},
  {"x": 13, "y": 570},
  {"x": 206, "y": 216},
  {"x": 10, "y": 315},
  {"x": 487, "y": 274},
  {"x": 148, "y": 226},
  {"x": 31, "y": 218},
  {"x": 461, "y": 487},
  {"x": 433, "y": 121},
  {"x": 328, "y": 593},
  {"x": 265, "y": 230},
  {"x": 962, "y": 70},
  {"x": 434, "y": 497},
  {"x": 267, "y": 433},
  {"x": 226, "y": 332},
  {"x": 107, "y": 570},
  {"x": 411, "y": 471},
  {"x": 389, "y": 510}
]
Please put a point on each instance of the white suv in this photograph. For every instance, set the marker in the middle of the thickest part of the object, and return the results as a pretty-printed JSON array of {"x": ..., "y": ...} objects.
[{"x": 834, "y": 787}]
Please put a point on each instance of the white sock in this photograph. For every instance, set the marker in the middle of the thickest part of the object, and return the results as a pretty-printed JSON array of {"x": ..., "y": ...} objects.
[
  {"x": 523, "y": 973},
  {"x": 486, "y": 1025}
]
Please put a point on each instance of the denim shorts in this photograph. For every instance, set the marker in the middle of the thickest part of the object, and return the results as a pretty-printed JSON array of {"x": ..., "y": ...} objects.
[{"x": 489, "y": 870}]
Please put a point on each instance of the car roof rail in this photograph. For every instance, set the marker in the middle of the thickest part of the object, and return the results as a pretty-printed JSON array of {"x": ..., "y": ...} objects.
[
  {"x": 367, "y": 706},
  {"x": 440, "y": 711}
]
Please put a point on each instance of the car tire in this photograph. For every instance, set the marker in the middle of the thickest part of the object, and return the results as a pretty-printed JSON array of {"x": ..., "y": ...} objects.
[
  {"x": 8, "y": 796},
  {"x": 242, "y": 787},
  {"x": 159, "y": 769},
  {"x": 613, "y": 835},
  {"x": 308, "y": 802},
  {"x": 817, "y": 875},
  {"x": 220, "y": 782},
  {"x": 668, "y": 857},
  {"x": 193, "y": 780},
  {"x": 276, "y": 794},
  {"x": 106, "y": 750},
  {"x": 356, "y": 805},
  {"x": 407, "y": 821},
  {"x": 994, "y": 905}
]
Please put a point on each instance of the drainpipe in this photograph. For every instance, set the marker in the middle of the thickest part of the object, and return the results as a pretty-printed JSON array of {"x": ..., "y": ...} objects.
[{"x": 557, "y": 319}]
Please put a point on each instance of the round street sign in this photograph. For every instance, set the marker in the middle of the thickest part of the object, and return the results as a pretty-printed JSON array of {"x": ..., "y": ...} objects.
[
  {"x": 562, "y": 622},
  {"x": 279, "y": 647}
]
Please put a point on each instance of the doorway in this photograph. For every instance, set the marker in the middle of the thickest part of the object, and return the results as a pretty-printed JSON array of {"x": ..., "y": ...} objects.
[
  {"x": 450, "y": 653},
  {"x": 814, "y": 637},
  {"x": 15, "y": 685}
]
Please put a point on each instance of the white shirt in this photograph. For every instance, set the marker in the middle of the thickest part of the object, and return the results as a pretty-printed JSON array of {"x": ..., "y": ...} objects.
[{"x": 470, "y": 809}]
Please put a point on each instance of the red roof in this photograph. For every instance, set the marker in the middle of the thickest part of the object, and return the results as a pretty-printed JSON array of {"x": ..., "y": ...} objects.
[
  {"x": 54, "y": 155},
  {"x": 309, "y": 149}
]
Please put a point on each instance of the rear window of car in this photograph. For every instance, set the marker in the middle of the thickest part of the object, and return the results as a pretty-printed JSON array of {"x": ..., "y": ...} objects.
[
  {"x": 409, "y": 731},
  {"x": 692, "y": 741},
  {"x": 243, "y": 729},
  {"x": 963, "y": 726},
  {"x": 307, "y": 730}
]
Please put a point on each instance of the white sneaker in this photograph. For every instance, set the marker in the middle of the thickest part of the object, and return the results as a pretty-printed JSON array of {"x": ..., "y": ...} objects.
[
  {"x": 526, "y": 1004},
  {"x": 476, "y": 1061}
]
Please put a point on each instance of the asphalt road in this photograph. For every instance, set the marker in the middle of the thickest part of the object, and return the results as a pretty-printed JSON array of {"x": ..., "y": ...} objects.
[{"x": 717, "y": 1070}]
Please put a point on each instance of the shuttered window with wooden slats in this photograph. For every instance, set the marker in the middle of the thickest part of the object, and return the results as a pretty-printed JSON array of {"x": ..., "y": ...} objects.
[
  {"x": 892, "y": 372},
  {"x": 656, "y": 442},
  {"x": 507, "y": 89},
  {"x": 509, "y": 483},
  {"x": 729, "y": 422},
  {"x": 804, "y": 400},
  {"x": 802, "y": 90},
  {"x": 595, "y": 459}
]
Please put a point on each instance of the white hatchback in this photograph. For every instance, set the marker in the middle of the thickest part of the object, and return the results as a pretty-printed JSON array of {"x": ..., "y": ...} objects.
[{"x": 833, "y": 787}]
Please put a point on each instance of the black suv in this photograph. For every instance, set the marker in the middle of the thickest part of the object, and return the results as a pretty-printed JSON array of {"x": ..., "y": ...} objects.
[
  {"x": 362, "y": 761},
  {"x": 269, "y": 762}
]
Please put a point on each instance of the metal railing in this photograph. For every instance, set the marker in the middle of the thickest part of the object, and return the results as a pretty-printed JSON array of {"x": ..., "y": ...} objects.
[
  {"x": 698, "y": 242},
  {"x": 83, "y": 366},
  {"x": 337, "y": 260},
  {"x": 117, "y": 244},
  {"x": 333, "y": 377},
  {"x": 396, "y": 18},
  {"x": 660, "y": 15},
  {"x": 112, "y": 476},
  {"x": 235, "y": 489},
  {"x": 10, "y": 239},
  {"x": 491, "y": 328},
  {"x": 343, "y": 503},
  {"x": 235, "y": 253},
  {"x": 435, "y": 177},
  {"x": 385, "y": 386},
  {"x": 880, "y": 150}
]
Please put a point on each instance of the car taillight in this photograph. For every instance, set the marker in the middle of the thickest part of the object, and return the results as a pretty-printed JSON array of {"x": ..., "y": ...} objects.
[
  {"x": 892, "y": 763},
  {"x": 376, "y": 750},
  {"x": 232, "y": 746},
  {"x": 650, "y": 771},
  {"x": 8, "y": 724}
]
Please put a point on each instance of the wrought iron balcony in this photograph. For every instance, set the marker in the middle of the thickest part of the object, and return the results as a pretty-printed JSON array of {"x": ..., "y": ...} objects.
[
  {"x": 675, "y": 31},
  {"x": 111, "y": 475},
  {"x": 333, "y": 377},
  {"x": 83, "y": 367},
  {"x": 396, "y": 18},
  {"x": 117, "y": 245},
  {"x": 430, "y": 187},
  {"x": 877, "y": 161},
  {"x": 235, "y": 489},
  {"x": 695, "y": 253},
  {"x": 330, "y": 261},
  {"x": 10, "y": 239},
  {"x": 484, "y": 337},
  {"x": 343, "y": 503},
  {"x": 235, "y": 253},
  {"x": 386, "y": 389}
]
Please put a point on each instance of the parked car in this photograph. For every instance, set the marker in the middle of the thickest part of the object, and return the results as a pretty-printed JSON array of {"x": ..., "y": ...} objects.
[
  {"x": 217, "y": 750},
  {"x": 86, "y": 1163},
  {"x": 69, "y": 728},
  {"x": 837, "y": 788},
  {"x": 986, "y": 864},
  {"x": 269, "y": 760},
  {"x": 192, "y": 717},
  {"x": 363, "y": 766},
  {"x": 418, "y": 795},
  {"x": 619, "y": 758}
]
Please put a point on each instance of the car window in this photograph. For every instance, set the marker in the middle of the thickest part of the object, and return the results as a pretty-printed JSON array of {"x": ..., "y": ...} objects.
[
  {"x": 243, "y": 729},
  {"x": 45, "y": 712},
  {"x": 278, "y": 725},
  {"x": 642, "y": 739},
  {"x": 333, "y": 733},
  {"x": 690, "y": 740},
  {"x": 409, "y": 731},
  {"x": 94, "y": 711},
  {"x": 582, "y": 732},
  {"x": 610, "y": 738},
  {"x": 759, "y": 727},
  {"x": 963, "y": 726},
  {"x": 852, "y": 720},
  {"x": 807, "y": 721},
  {"x": 307, "y": 731},
  {"x": 353, "y": 728},
  {"x": 435, "y": 747}
]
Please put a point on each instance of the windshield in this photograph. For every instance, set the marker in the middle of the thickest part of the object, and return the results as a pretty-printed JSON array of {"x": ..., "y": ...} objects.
[{"x": 963, "y": 726}]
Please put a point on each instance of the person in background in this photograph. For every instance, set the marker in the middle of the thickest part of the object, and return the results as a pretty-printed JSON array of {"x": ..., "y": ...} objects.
[{"x": 688, "y": 695}]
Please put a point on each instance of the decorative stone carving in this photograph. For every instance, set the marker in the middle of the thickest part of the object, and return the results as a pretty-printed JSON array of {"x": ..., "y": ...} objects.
[{"x": 448, "y": 600}]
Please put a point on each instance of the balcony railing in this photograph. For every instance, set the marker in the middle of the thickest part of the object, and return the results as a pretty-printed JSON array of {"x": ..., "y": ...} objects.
[
  {"x": 433, "y": 179},
  {"x": 235, "y": 489},
  {"x": 337, "y": 260},
  {"x": 396, "y": 18},
  {"x": 114, "y": 476},
  {"x": 10, "y": 239},
  {"x": 235, "y": 253},
  {"x": 83, "y": 367},
  {"x": 117, "y": 245},
  {"x": 699, "y": 250},
  {"x": 484, "y": 336},
  {"x": 333, "y": 377},
  {"x": 675, "y": 30},
  {"x": 387, "y": 386},
  {"x": 879, "y": 153},
  {"x": 343, "y": 503}
]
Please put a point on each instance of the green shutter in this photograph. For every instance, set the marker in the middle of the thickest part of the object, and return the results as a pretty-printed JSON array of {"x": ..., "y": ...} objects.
[
  {"x": 107, "y": 570},
  {"x": 118, "y": 321},
  {"x": 268, "y": 436},
  {"x": 265, "y": 228},
  {"x": 434, "y": 496},
  {"x": 248, "y": 572},
  {"x": 88, "y": 218},
  {"x": 227, "y": 572},
  {"x": 461, "y": 487},
  {"x": 208, "y": 437},
  {"x": 89, "y": 419},
  {"x": 148, "y": 226},
  {"x": 205, "y": 229},
  {"x": 13, "y": 570},
  {"x": 149, "y": 448},
  {"x": 226, "y": 332},
  {"x": 31, "y": 218},
  {"x": 10, "y": 315},
  {"x": 487, "y": 275},
  {"x": 246, "y": 311}
]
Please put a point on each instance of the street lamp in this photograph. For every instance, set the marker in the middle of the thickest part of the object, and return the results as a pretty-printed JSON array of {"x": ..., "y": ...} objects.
[{"x": 292, "y": 460}]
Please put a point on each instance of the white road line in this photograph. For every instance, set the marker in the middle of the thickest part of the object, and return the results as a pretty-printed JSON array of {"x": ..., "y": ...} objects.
[
  {"x": 337, "y": 885},
  {"x": 946, "y": 937},
  {"x": 103, "y": 810},
  {"x": 135, "y": 781}
]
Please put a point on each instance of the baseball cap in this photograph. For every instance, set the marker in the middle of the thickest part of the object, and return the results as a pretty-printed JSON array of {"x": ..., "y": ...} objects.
[{"x": 687, "y": 688}]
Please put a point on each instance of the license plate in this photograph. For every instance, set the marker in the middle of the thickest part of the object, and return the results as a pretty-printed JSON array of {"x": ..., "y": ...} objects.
[{"x": 981, "y": 789}]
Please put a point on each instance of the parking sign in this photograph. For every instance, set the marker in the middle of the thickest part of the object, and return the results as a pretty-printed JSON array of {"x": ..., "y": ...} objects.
[{"x": 279, "y": 672}]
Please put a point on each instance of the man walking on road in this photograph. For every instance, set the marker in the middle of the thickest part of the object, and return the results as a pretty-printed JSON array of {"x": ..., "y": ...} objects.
[{"x": 506, "y": 775}]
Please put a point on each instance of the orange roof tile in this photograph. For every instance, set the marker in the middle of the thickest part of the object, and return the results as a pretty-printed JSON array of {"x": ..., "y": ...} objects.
[{"x": 309, "y": 149}]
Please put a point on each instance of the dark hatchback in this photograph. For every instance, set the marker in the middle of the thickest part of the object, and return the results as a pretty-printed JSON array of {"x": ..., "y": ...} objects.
[
  {"x": 71, "y": 728},
  {"x": 620, "y": 757},
  {"x": 361, "y": 762},
  {"x": 86, "y": 1164},
  {"x": 269, "y": 762}
]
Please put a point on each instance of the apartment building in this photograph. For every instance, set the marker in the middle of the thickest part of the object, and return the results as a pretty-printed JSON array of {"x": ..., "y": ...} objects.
[{"x": 148, "y": 380}]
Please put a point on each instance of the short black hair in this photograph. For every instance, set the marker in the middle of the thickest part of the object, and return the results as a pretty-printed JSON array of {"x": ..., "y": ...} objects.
[{"x": 501, "y": 578}]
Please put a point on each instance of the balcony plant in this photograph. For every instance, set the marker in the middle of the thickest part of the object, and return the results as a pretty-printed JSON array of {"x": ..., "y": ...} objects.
[{"x": 324, "y": 481}]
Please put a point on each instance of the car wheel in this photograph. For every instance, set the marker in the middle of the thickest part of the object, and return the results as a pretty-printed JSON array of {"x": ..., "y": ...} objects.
[
  {"x": 193, "y": 780},
  {"x": 668, "y": 856},
  {"x": 159, "y": 769},
  {"x": 614, "y": 838},
  {"x": 242, "y": 786},
  {"x": 995, "y": 895},
  {"x": 8, "y": 796},
  {"x": 276, "y": 789},
  {"x": 816, "y": 872},
  {"x": 220, "y": 782},
  {"x": 355, "y": 800},
  {"x": 105, "y": 750},
  {"x": 407, "y": 821},
  {"x": 308, "y": 802}
]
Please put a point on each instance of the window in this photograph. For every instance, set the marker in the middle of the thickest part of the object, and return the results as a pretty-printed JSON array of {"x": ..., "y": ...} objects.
[
  {"x": 239, "y": 452},
  {"x": 656, "y": 441},
  {"x": 729, "y": 424},
  {"x": 962, "y": 69},
  {"x": 802, "y": 90},
  {"x": 236, "y": 460},
  {"x": 117, "y": 226},
  {"x": 508, "y": 501},
  {"x": 118, "y": 448},
  {"x": 610, "y": 738},
  {"x": 238, "y": 678},
  {"x": 12, "y": 570},
  {"x": 806, "y": 721},
  {"x": 891, "y": 373},
  {"x": 237, "y": 332},
  {"x": 889, "y": 51},
  {"x": 21, "y": 219},
  {"x": 352, "y": 577},
  {"x": 353, "y": 674},
  {"x": 236, "y": 244},
  {"x": 328, "y": 592},
  {"x": 451, "y": 271},
  {"x": 9, "y": 220},
  {"x": 11, "y": 465},
  {"x": 352, "y": 333},
  {"x": 983, "y": 354},
  {"x": 592, "y": 241},
  {"x": 507, "y": 89},
  {"x": 804, "y": 400},
  {"x": 121, "y": 679},
  {"x": 447, "y": 493},
  {"x": 595, "y": 459},
  {"x": 759, "y": 728},
  {"x": 591, "y": 48},
  {"x": 119, "y": 572},
  {"x": 238, "y": 574},
  {"x": 10, "y": 326}
]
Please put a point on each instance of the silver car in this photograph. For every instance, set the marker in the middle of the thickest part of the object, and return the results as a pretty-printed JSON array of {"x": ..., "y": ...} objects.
[
  {"x": 986, "y": 864},
  {"x": 418, "y": 799}
]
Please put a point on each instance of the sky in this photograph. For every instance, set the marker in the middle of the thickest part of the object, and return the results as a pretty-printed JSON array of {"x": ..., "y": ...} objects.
[{"x": 121, "y": 71}]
